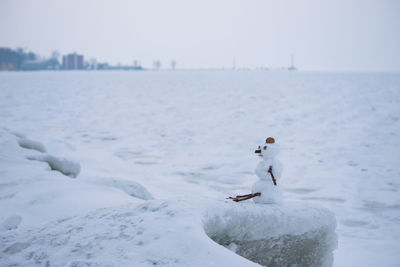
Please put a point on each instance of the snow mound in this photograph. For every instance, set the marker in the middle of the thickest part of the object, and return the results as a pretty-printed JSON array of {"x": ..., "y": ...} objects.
[
  {"x": 130, "y": 187},
  {"x": 65, "y": 166},
  {"x": 275, "y": 235},
  {"x": 155, "y": 233},
  {"x": 30, "y": 144}
]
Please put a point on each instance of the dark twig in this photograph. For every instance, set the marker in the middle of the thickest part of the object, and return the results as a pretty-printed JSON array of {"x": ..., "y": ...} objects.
[
  {"x": 244, "y": 197},
  {"x": 272, "y": 175}
]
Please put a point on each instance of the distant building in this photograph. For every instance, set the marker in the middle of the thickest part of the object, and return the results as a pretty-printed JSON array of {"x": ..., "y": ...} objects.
[
  {"x": 8, "y": 66},
  {"x": 102, "y": 66},
  {"x": 73, "y": 62},
  {"x": 10, "y": 59},
  {"x": 49, "y": 64},
  {"x": 34, "y": 65}
]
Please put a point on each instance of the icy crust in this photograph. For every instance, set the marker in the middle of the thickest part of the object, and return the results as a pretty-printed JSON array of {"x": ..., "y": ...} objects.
[{"x": 275, "y": 235}]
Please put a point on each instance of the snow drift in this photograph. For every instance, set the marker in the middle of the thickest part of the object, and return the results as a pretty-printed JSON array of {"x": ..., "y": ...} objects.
[
  {"x": 65, "y": 166},
  {"x": 30, "y": 144},
  {"x": 131, "y": 188},
  {"x": 155, "y": 233}
]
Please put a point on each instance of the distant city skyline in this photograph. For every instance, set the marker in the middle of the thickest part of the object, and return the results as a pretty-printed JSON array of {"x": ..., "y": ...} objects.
[{"x": 321, "y": 35}]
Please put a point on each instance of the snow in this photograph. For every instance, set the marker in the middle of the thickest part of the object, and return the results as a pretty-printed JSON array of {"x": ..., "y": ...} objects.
[
  {"x": 160, "y": 151},
  {"x": 34, "y": 193},
  {"x": 65, "y": 166},
  {"x": 12, "y": 222},
  {"x": 166, "y": 233},
  {"x": 29, "y": 144},
  {"x": 130, "y": 187}
]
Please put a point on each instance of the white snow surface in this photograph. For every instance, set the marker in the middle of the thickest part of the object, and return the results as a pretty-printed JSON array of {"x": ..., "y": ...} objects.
[
  {"x": 30, "y": 144},
  {"x": 65, "y": 166},
  {"x": 158, "y": 152}
]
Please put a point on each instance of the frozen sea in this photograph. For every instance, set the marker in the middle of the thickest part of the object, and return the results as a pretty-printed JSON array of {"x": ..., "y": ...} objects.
[{"x": 131, "y": 137}]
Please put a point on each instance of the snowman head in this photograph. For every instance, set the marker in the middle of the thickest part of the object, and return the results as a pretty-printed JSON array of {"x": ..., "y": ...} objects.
[{"x": 268, "y": 150}]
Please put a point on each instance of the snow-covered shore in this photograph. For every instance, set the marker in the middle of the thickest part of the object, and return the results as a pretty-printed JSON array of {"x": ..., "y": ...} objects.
[
  {"x": 52, "y": 218},
  {"x": 78, "y": 148}
]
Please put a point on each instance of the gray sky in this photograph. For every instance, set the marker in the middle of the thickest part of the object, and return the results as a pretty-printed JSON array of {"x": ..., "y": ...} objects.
[{"x": 323, "y": 35}]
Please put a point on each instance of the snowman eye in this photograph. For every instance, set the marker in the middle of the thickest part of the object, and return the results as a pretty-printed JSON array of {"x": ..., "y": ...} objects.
[
  {"x": 259, "y": 147},
  {"x": 265, "y": 147}
]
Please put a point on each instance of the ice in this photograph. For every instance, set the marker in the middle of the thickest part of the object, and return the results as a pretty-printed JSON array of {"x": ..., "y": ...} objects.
[{"x": 275, "y": 235}]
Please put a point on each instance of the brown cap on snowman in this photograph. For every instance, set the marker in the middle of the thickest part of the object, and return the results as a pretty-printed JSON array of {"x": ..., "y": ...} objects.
[{"x": 269, "y": 140}]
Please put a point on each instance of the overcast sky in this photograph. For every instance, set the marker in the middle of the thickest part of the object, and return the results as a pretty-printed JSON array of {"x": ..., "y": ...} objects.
[{"x": 322, "y": 35}]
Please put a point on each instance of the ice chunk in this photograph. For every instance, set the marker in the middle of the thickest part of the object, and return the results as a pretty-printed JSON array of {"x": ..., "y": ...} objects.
[
  {"x": 30, "y": 144},
  {"x": 12, "y": 222},
  {"x": 63, "y": 165},
  {"x": 275, "y": 235}
]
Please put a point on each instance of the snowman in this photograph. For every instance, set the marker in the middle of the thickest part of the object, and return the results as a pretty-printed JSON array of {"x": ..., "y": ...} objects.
[{"x": 267, "y": 189}]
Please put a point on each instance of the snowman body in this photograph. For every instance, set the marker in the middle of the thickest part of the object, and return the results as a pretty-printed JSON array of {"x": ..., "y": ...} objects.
[{"x": 270, "y": 193}]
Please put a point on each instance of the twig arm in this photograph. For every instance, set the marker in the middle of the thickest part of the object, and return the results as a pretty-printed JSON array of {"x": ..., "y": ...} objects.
[
  {"x": 272, "y": 175},
  {"x": 244, "y": 197}
]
